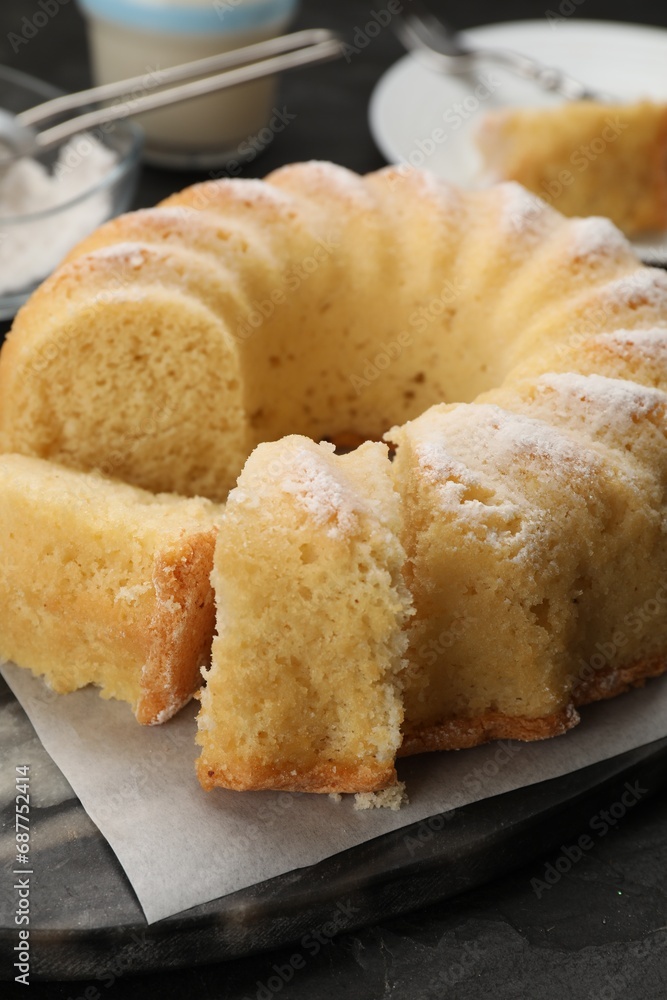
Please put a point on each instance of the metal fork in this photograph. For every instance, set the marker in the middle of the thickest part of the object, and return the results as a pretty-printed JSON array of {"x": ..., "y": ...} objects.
[
  {"x": 20, "y": 136},
  {"x": 439, "y": 46}
]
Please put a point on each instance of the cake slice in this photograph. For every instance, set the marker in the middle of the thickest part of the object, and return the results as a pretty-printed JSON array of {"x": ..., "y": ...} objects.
[
  {"x": 585, "y": 158},
  {"x": 530, "y": 545},
  {"x": 103, "y": 583},
  {"x": 304, "y": 689}
]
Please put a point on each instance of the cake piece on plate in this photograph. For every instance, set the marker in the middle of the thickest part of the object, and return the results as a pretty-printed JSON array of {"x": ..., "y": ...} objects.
[{"x": 585, "y": 158}]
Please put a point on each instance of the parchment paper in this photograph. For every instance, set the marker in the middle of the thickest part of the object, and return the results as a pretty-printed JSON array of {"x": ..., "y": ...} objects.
[{"x": 181, "y": 846}]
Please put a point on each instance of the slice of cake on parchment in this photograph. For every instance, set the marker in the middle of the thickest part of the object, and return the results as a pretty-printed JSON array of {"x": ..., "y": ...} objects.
[
  {"x": 304, "y": 691},
  {"x": 103, "y": 583}
]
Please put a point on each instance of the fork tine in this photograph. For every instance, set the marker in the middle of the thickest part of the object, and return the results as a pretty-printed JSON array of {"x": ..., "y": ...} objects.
[
  {"x": 432, "y": 30},
  {"x": 418, "y": 39},
  {"x": 438, "y": 46}
]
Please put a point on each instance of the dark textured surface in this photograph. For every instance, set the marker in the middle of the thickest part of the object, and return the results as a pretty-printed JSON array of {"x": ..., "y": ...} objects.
[
  {"x": 601, "y": 931},
  {"x": 84, "y": 914}
]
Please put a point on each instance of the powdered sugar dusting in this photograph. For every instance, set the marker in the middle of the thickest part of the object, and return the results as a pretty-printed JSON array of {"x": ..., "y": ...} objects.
[
  {"x": 597, "y": 237},
  {"x": 172, "y": 706},
  {"x": 243, "y": 189},
  {"x": 330, "y": 177},
  {"x": 517, "y": 436},
  {"x": 436, "y": 463},
  {"x": 647, "y": 286},
  {"x": 482, "y": 503},
  {"x": 523, "y": 212},
  {"x": 614, "y": 395},
  {"x": 422, "y": 181},
  {"x": 326, "y": 500},
  {"x": 482, "y": 430},
  {"x": 133, "y": 254},
  {"x": 608, "y": 408},
  {"x": 224, "y": 196},
  {"x": 166, "y": 214},
  {"x": 650, "y": 345}
]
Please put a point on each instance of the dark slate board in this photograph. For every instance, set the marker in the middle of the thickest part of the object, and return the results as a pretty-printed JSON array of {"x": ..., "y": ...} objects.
[{"x": 86, "y": 916}]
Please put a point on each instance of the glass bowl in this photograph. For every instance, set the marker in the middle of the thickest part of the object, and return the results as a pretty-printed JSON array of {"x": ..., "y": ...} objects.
[{"x": 33, "y": 244}]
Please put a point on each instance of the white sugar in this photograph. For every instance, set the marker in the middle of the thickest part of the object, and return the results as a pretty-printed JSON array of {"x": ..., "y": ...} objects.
[
  {"x": 645, "y": 287},
  {"x": 523, "y": 212},
  {"x": 133, "y": 254},
  {"x": 605, "y": 404},
  {"x": 319, "y": 493},
  {"x": 651, "y": 345},
  {"x": 29, "y": 250},
  {"x": 597, "y": 237}
]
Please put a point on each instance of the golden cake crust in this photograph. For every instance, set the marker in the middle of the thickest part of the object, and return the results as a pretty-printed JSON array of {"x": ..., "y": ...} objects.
[
  {"x": 172, "y": 672},
  {"x": 459, "y": 734},
  {"x": 356, "y": 596},
  {"x": 609, "y": 682},
  {"x": 323, "y": 778},
  {"x": 102, "y": 583}
]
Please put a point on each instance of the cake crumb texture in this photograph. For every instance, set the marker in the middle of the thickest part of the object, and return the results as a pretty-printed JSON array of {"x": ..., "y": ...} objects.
[{"x": 102, "y": 583}]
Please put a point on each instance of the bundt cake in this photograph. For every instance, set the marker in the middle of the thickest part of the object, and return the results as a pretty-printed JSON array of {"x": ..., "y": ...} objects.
[
  {"x": 103, "y": 583},
  {"x": 487, "y": 581},
  {"x": 533, "y": 547},
  {"x": 584, "y": 158},
  {"x": 176, "y": 339}
]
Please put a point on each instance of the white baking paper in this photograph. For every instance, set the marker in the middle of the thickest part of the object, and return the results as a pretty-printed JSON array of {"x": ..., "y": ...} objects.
[{"x": 180, "y": 845}]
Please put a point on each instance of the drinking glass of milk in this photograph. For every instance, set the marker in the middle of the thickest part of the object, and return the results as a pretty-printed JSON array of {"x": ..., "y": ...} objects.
[{"x": 131, "y": 38}]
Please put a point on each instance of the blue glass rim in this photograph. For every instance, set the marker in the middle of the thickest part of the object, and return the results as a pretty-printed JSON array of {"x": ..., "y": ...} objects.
[{"x": 216, "y": 17}]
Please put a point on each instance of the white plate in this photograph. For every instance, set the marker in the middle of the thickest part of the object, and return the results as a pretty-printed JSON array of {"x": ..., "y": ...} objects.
[{"x": 428, "y": 119}]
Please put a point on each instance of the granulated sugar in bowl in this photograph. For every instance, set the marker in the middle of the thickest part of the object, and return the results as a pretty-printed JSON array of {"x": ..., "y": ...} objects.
[{"x": 47, "y": 205}]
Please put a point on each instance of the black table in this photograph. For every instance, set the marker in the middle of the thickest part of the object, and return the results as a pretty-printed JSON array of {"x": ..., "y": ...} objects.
[{"x": 598, "y": 932}]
